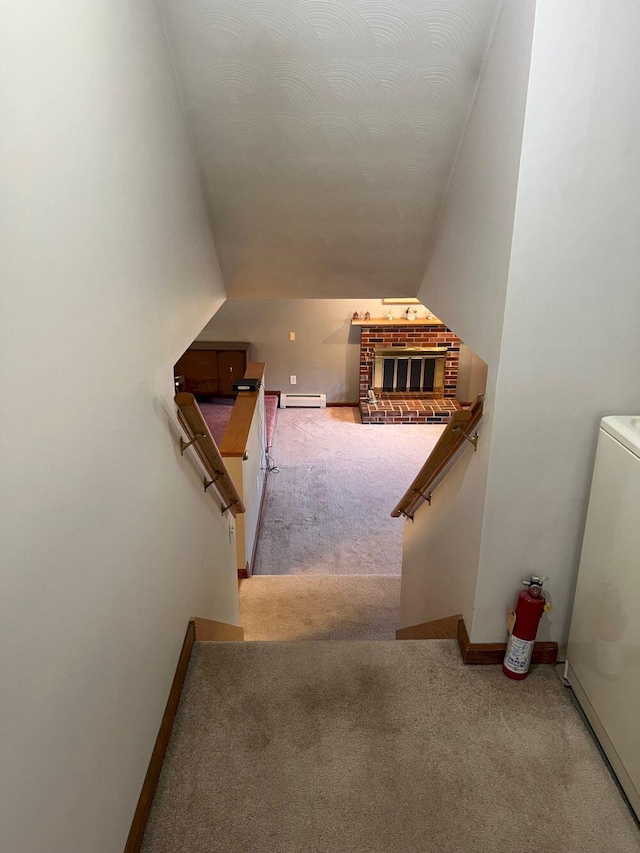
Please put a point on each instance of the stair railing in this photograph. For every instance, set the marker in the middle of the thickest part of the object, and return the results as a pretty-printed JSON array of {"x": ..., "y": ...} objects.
[
  {"x": 458, "y": 430},
  {"x": 200, "y": 438}
]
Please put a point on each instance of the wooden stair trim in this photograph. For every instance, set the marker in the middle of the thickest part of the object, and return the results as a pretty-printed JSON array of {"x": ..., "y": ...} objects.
[
  {"x": 437, "y": 629},
  {"x": 198, "y": 630},
  {"x": 453, "y": 628},
  {"x": 145, "y": 801},
  {"x": 210, "y": 631},
  {"x": 493, "y": 653},
  {"x": 236, "y": 435}
]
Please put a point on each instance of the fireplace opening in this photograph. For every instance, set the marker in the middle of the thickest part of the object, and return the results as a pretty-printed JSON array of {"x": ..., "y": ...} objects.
[{"x": 413, "y": 370}]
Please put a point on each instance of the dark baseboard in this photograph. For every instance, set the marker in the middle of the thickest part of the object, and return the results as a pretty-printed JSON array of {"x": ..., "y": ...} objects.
[
  {"x": 493, "y": 653},
  {"x": 201, "y": 630},
  {"x": 141, "y": 814},
  {"x": 437, "y": 629}
]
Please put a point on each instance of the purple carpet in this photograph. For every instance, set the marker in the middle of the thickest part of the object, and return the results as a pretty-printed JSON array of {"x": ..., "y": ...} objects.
[{"x": 217, "y": 417}]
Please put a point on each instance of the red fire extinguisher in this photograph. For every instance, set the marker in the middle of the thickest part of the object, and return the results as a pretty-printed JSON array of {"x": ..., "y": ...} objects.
[{"x": 530, "y": 605}]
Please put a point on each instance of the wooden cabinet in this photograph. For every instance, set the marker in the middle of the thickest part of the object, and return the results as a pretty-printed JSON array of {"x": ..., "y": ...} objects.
[
  {"x": 231, "y": 367},
  {"x": 210, "y": 369}
]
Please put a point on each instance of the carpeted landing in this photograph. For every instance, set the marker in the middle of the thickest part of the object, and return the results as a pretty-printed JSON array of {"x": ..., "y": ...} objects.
[
  {"x": 320, "y": 607},
  {"x": 327, "y": 507},
  {"x": 378, "y": 748}
]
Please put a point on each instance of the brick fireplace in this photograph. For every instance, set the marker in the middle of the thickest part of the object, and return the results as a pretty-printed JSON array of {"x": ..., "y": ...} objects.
[{"x": 413, "y": 367}]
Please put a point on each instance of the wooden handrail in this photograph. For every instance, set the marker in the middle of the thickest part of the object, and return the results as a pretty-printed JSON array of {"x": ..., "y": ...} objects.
[
  {"x": 457, "y": 431},
  {"x": 236, "y": 435},
  {"x": 202, "y": 441}
]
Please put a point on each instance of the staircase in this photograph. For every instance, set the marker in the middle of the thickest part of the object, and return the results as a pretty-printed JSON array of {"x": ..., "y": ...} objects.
[
  {"x": 320, "y": 607},
  {"x": 378, "y": 747},
  {"x": 361, "y": 744}
]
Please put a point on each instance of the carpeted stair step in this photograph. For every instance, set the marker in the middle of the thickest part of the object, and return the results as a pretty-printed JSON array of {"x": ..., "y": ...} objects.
[
  {"x": 378, "y": 747},
  {"x": 320, "y": 607}
]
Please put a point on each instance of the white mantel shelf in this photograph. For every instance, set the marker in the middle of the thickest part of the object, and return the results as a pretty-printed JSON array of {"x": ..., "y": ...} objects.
[{"x": 419, "y": 321}]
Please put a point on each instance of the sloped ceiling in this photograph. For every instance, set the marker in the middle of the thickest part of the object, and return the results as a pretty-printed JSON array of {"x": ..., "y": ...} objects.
[{"x": 326, "y": 131}]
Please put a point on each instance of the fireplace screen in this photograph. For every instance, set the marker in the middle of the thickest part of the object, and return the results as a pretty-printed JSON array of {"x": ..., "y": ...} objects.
[{"x": 410, "y": 371}]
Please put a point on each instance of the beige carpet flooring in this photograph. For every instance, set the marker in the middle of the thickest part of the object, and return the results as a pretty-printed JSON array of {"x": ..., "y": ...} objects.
[
  {"x": 327, "y": 509},
  {"x": 320, "y": 607},
  {"x": 379, "y": 748}
]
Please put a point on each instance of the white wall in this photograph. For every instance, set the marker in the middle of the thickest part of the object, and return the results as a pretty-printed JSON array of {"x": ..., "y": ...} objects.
[
  {"x": 466, "y": 278},
  {"x": 325, "y": 357},
  {"x": 465, "y": 285},
  {"x": 439, "y": 567},
  {"x": 571, "y": 346},
  {"x": 253, "y": 476},
  {"x": 249, "y": 479},
  {"x": 108, "y": 542},
  {"x": 472, "y": 375}
]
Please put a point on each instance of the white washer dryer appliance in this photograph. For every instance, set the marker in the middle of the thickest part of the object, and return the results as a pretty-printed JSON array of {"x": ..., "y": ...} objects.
[{"x": 603, "y": 657}]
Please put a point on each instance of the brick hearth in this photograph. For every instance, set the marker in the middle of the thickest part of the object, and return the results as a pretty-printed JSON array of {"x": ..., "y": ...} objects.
[
  {"x": 412, "y": 409},
  {"x": 405, "y": 411}
]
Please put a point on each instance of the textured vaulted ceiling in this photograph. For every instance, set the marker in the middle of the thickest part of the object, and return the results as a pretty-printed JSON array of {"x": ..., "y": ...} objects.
[{"x": 326, "y": 131}]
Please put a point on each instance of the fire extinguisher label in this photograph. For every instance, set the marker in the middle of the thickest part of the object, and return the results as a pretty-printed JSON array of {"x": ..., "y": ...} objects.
[{"x": 518, "y": 655}]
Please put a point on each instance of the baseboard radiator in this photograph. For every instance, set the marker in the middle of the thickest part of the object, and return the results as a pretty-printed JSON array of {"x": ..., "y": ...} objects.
[{"x": 305, "y": 401}]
